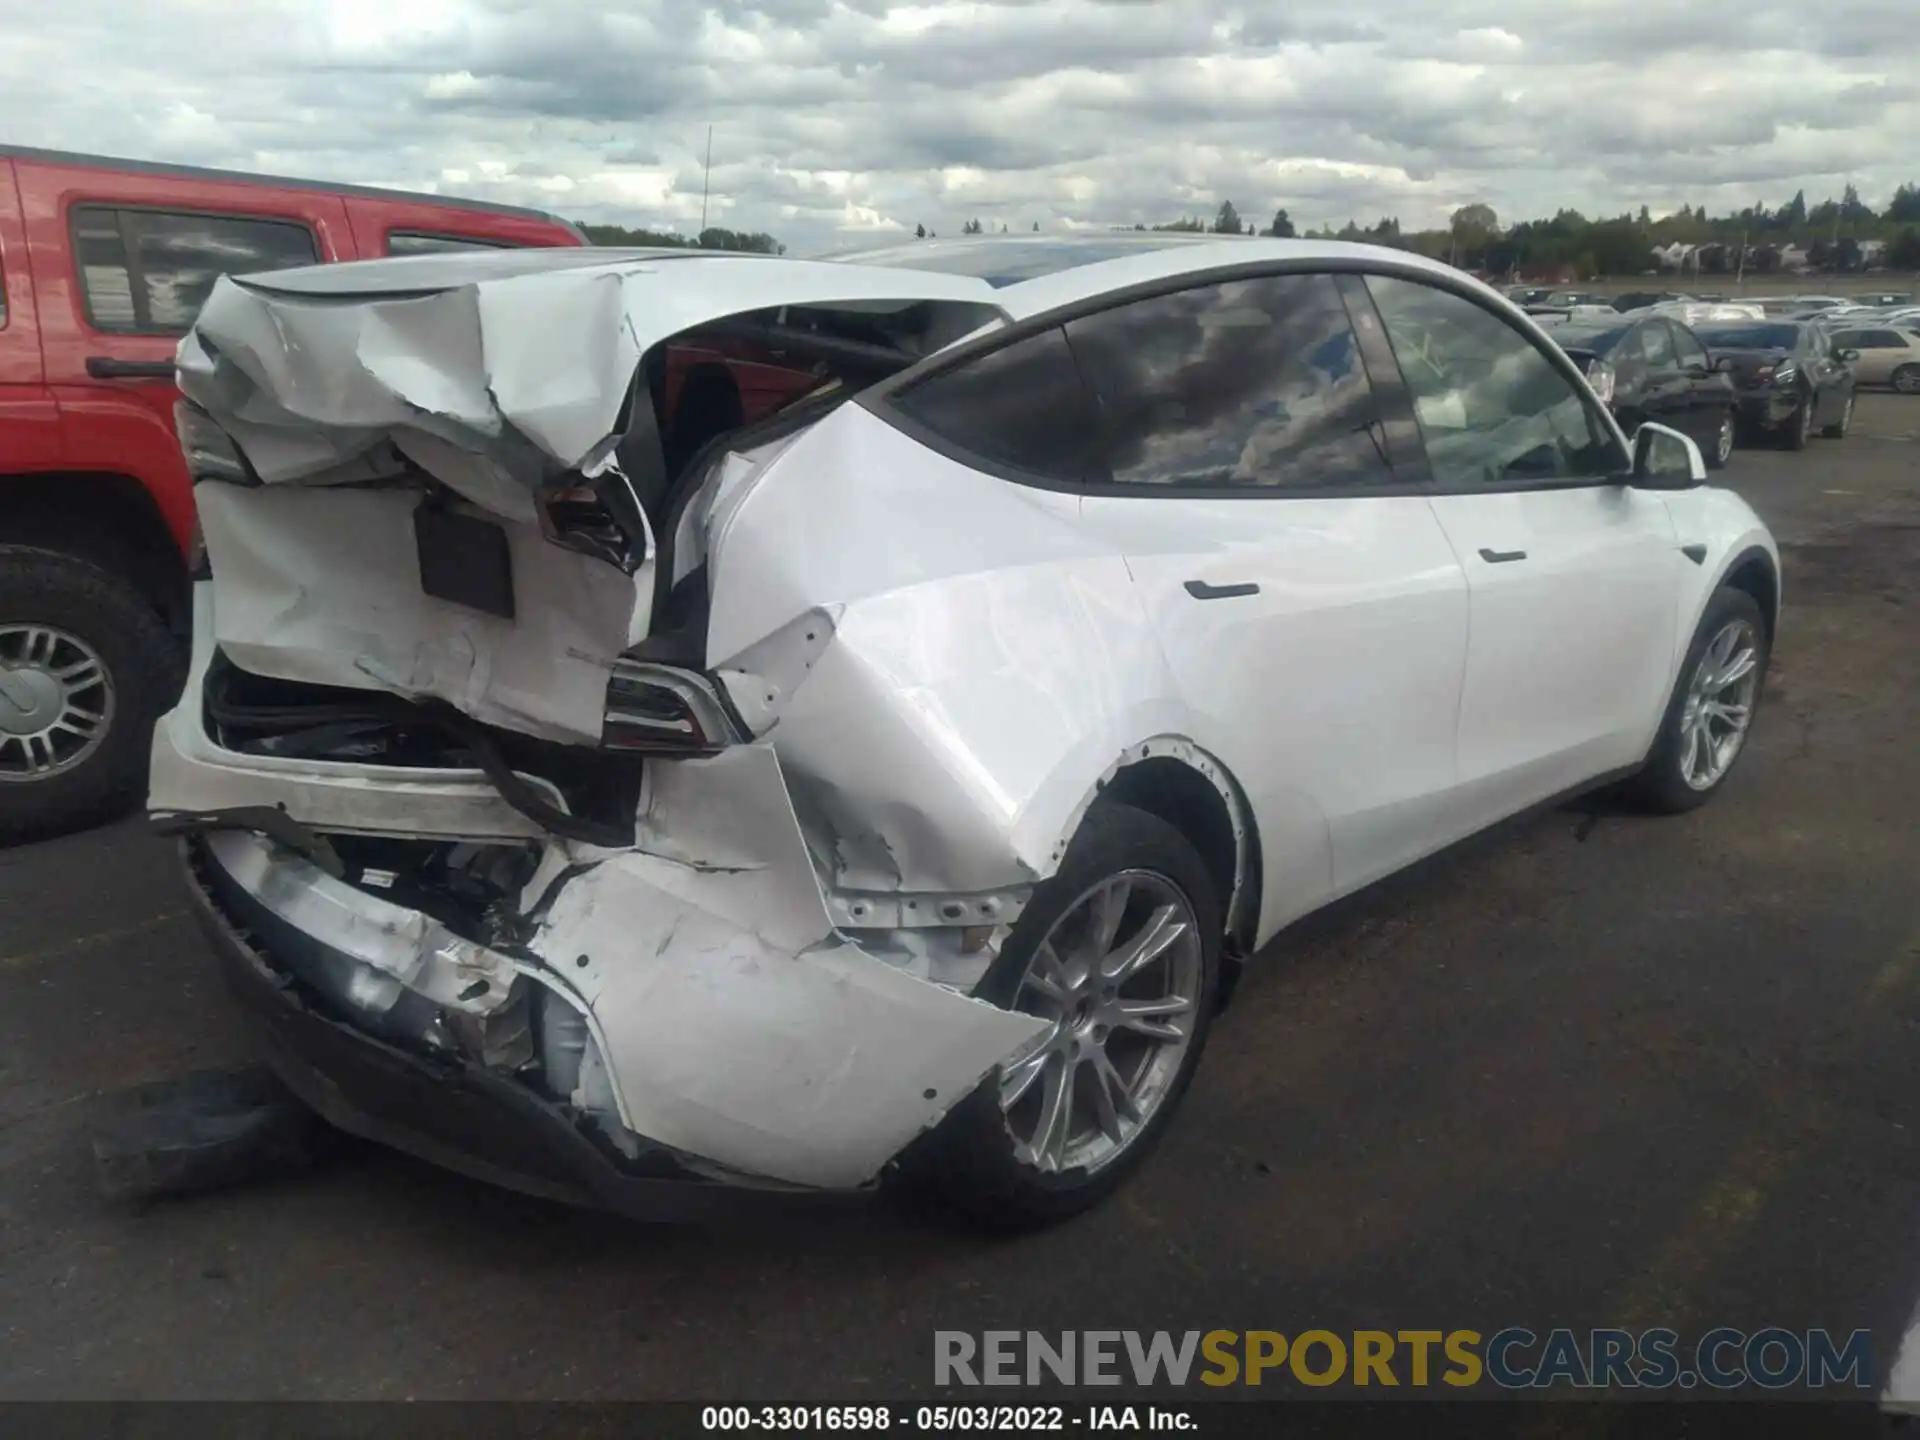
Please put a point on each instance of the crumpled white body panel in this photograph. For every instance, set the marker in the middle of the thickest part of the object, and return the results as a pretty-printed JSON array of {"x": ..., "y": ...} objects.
[
  {"x": 323, "y": 586},
  {"x": 524, "y": 372},
  {"x": 740, "y": 1027}
]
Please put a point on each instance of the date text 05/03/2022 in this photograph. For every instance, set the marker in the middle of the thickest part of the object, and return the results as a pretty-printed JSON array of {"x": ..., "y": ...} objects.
[{"x": 941, "y": 1419}]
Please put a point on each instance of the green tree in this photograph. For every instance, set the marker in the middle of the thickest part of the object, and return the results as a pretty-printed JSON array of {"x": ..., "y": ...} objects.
[
  {"x": 1282, "y": 227},
  {"x": 919, "y": 232},
  {"x": 1905, "y": 208},
  {"x": 1227, "y": 221},
  {"x": 1793, "y": 214},
  {"x": 1903, "y": 252}
]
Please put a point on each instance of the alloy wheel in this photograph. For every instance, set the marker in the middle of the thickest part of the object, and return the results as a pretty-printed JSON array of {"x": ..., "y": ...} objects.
[
  {"x": 1723, "y": 442},
  {"x": 1119, "y": 975},
  {"x": 1907, "y": 380},
  {"x": 1719, "y": 705},
  {"x": 56, "y": 702}
]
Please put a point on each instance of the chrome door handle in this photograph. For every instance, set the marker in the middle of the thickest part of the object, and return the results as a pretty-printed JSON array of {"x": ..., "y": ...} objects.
[{"x": 1501, "y": 557}]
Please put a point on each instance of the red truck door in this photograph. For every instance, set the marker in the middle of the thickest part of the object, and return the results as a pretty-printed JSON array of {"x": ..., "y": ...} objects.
[
  {"x": 122, "y": 261},
  {"x": 29, "y": 420}
]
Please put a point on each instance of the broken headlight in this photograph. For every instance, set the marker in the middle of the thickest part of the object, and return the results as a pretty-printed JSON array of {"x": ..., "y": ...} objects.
[{"x": 666, "y": 710}]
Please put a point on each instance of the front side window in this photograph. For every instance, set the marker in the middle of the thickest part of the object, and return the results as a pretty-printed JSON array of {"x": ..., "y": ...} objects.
[
  {"x": 1493, "y": 408},
  {"x": 1247, "y": 384},
  {"x": 150, "y": 271},
  {"x": 1022, "y": 405}
]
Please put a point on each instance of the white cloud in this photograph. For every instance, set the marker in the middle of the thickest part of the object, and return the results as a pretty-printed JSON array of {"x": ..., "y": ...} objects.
[{"x": 861, "y": 116}]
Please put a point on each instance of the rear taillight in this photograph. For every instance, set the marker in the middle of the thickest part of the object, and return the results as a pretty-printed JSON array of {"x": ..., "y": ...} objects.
[
  {"x": 664, "y": 710},
  {"x": 585, "y": 518},
  {"x": 209, "y": 451},
  {"x": 1600, "y": 377}
]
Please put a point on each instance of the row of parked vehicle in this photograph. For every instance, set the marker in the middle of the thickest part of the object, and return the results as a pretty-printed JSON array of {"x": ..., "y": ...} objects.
[{"x": 1778, "y": 370}]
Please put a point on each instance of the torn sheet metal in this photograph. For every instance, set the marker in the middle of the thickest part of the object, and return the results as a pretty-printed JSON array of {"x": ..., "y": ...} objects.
[
  {"x": 189, "y": 773},
  {"x": 738, "y": 1026},
  {"x": 324, "y": 587},
  {"x": 984, "y": 671},
  {"x": 526, "y": 361}
]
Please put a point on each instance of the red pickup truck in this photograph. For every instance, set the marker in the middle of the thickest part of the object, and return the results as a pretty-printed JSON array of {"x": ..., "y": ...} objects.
[{"x": 103, "y": 265}]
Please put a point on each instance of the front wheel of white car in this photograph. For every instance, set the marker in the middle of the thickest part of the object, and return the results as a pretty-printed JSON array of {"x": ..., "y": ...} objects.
[
  {"x": 1708, "y": 718},
  {"x": 1120, "y": 953}
]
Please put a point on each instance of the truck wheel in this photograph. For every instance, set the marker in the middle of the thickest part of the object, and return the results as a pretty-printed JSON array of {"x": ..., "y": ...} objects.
[{"x": 86, "y": 667}]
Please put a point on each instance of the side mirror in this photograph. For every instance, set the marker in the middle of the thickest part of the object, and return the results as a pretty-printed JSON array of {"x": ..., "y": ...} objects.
[
  {"x": 1725, "y": 362},
  {"x": 1849, "y": 355},
  {"x": 1664, "y": 459}
]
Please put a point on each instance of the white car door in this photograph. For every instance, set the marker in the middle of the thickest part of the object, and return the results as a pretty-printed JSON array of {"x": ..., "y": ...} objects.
[
  {"x": 1312, "y": 613},
  {"x": 1574, "y": 577}
]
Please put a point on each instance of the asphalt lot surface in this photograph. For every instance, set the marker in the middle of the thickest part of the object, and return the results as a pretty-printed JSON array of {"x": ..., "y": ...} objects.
[{"x": 1591, "y": 1069}]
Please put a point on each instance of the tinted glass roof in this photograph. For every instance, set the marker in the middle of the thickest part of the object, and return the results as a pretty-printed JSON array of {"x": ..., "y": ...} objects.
[{"x": 1009, "y": 259}]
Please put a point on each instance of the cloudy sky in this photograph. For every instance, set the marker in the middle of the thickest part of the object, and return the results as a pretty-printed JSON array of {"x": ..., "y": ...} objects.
[{"x": 836, "y": 121}]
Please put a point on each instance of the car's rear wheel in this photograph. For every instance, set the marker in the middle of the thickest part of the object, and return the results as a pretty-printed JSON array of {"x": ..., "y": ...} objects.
[
  {"x": 1721, "y": 450},
  {"x": 1705, "y": 728},
  {"x": 1838, "y": 430},
  {"x": 1120, "y": 953},
  {"x": 86, "y": 667},
  {"x": 1907, "y": 379}
]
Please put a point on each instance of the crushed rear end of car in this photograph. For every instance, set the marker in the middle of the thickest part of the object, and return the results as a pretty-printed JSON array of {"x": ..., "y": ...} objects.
[{"x": 483, "y": 815}]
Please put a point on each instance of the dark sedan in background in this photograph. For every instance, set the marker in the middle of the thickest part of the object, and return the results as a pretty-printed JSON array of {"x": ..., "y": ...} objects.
[
  {"x": 1654, "y": 368},
  {"x": 1790, "y": 379}
]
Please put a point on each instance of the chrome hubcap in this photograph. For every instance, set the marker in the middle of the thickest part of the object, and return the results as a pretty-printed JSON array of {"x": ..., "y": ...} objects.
[
  {"x": 1724, "y": 446},
  {"x": 1119, "y": 975},
  {"x": 1719, "y": 705},
  {"x": 56, "y": 702}
]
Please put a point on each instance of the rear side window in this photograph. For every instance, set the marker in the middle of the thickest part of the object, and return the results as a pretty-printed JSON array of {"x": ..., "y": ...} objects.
[
  {"x": 1244, "y": 384},
  {"x": 150, "y": 271},
  {"x": 1656, "y": 345},
  {"x": 1493, "y": 408},
  {"x": 1022, "y": 405},
  {"x": 418, "y": 242}
]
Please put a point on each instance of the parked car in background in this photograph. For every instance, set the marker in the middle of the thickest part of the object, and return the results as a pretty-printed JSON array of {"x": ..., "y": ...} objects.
[
  {"x": 1648, "y": 367},
  {"x": 103, "y": 265},
  {"x": 1524, "y": 295},
  {"x": 942, "y": 743},
  {"x": 1697, "y": 312},
  {"x": 1884, "y": 355},
  {"x": 1790, "y": 380},
  {"x": 1887, "y": 297},
  {"x": 1641, "y": 299}
]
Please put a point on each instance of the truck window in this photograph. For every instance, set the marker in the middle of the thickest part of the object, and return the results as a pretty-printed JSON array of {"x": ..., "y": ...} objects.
[
  {"x": 418, "y": 242},
  {"x": 148, "y": 272}
]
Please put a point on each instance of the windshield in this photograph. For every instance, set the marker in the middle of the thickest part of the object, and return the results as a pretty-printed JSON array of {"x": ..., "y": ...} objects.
[{"x": 1751, "y": 337}]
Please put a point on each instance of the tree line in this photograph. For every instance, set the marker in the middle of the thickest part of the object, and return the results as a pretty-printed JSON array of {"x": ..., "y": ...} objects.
[
  {"x": 714, "y": 237},
  {"x": 1831, "y": 235}
]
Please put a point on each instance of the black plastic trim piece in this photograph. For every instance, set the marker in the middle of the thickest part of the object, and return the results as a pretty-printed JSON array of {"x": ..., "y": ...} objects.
[{"x": 1201, "y": 590}]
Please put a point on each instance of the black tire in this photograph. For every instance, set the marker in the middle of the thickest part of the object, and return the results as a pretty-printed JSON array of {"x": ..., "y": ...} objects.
[
  {"x": 1838, "y": 430},
  {"x": 145, "y": 666},
  {"x": 1906, "y": 379},
  {"x": 966, "y": 1167},
  {"x": 1799, "y": 426},
  {"x": 1660, "y": 786},
  {"x": 1721, "y": 450}
]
